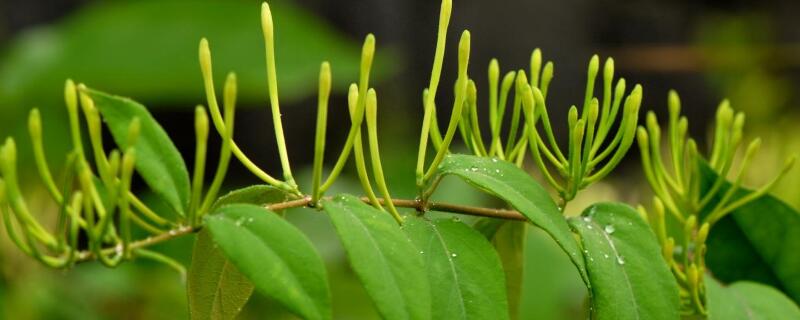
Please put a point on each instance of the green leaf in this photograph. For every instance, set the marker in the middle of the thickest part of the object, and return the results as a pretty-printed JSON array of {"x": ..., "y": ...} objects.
[
  {"x": 383, "y": 257},
  {"x": 508, "y": 238},
  {"x": 158, "y": 162},
  {"x": 275, "y": 256},
  {"x": 509, "y": 241},
  {"x": 464, "y": 271},
  {"x": 515, "y": 186},
  {"x": 257, "y": 194},
  {"x": 629, "y": 278},
  {"x": 747, "y": 300},
  {"x": 216, "y": 289},
  {"x": 757, "y": 242}
]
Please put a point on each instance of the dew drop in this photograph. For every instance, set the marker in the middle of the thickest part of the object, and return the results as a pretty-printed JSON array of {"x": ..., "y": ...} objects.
[
  {"x": 494, "y": 159},
  {"x": 605, "y": 255},
  {"x": 587, "y": 219},
  {"x": 620, "y": 260},
  {"x": 609, "y": 229},
  {"x": 454, "y": 255},
  {"x": 422, "y": 252},
  {"x": 473, "y": 169}
]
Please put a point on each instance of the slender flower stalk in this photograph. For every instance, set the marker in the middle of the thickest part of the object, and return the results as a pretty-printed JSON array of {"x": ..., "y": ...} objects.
[
  {"x": 322, "y": 119},
  {"x": 377, "y": 167},
  {"x": 430, "y": 97},
  {"x": 272, "y": 81},
  {"x": 367, "y": 55}
]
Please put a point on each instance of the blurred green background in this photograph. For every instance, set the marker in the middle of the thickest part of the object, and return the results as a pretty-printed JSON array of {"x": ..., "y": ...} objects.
[{"x": 748, "y": 51}]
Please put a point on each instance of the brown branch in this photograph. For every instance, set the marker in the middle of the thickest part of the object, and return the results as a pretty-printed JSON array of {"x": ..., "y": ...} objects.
[{"x": 84, "y": 256}]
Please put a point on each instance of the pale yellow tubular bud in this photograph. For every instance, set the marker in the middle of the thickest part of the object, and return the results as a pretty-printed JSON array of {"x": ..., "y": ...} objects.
[
  {"x": 229, "y": 98},
  {"x": 594, "y": 111},
  {"x": 128, "y": 162},
  {"x": 114, "y": 162},
  {"x": 134, "y": 128},
  {"x": 352, "y": 97},
  {"x": 272, "y": 83},
  {"x": 692, "y": 276},
  {"x": 494, "y": 77},
  {"x": 494, "y": 71},
  {"x": 572, "y": 117},
  {"x": 667, "y": 250},
  {"x": 204, "y": 54},
  {"x": 377, "y": 168},
  {"x": 367, "y": 55},
  {"x": 266, "y": 22},
  {"x": 608, "y": 70},
  {"x": 528, "y": 101},
  {"x": 736, "y": 129},
  {"x": 688, "y": 228},
  {"x": 536, "y": 66},
  {"x": 702, "y": 235},
  {"x": 71, "y": 96},
  {"x": 522, "y": 80},
  {"x": 325, "y": 79},
  {"x": 371, "y": 108},
  {"x": 674, "y": 104},
  {"x": 652, "y": 125},
  {"x": 683, "y": 127},
  {"x": 463, "y": 53},
  {"x": 201, "y": 127},
  {"x": 35, "y": 124},
  {"x": 35, "y": 129},
  {"x": 71, "y": 99},
  {"x": 547, "y": 76},
  {"x": 643, "y": 214},
  {"x": 660, "y": 214},
  {"x": 643, "y": 138},
  {"x": 208, "y": 83},
  {"x": 472, "y": 92},
  {"x": 721, "y": 135},
  {"x": 591, "y": 76}
]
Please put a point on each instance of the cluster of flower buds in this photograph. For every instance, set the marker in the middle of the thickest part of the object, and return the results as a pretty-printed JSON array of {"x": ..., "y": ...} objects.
[
  {"x": 96, "y": 206},
  {"x": 594, "y": 149},
  {"x": 679, "y": 194}
]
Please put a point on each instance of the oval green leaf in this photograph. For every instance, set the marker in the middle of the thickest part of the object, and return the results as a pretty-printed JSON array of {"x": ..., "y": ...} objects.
[
  {"x": 279, "y": 259},
  {"x": 215, "y": 288},
  {"x": 508, "y": 238},
  {"x": 383, "y": 257},
  {"x": 464, "y": 271},
  {"x": 509, "y": 241},
  {"x": 515, "y": 186},
  {"x": 158, "y": 161},
  {"x": 747, "y": 300},
  {"x": 628, "y": 276},
  {"x": 757, "y": 242}
]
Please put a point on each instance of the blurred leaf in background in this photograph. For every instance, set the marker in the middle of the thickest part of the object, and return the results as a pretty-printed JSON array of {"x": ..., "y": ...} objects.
[
  {"x": 147, "y": 50},
  {"x": 752, "y": 67}
]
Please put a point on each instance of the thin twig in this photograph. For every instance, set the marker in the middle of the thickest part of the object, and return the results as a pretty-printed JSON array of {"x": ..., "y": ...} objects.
[{"x": 85, "y": 256}]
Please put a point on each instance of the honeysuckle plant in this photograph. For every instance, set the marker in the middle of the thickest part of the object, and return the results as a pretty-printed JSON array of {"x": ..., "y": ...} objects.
[{"x": 636, "y": 264}]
